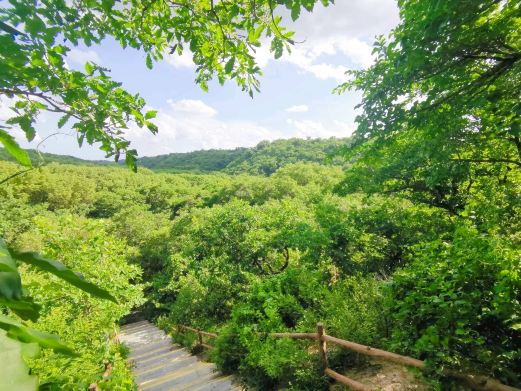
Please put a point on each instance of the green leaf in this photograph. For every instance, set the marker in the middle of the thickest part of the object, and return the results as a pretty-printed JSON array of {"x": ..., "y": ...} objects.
[
  {"x": 25, "y": 309},
  {"x": 152, "y": 127},
  {"x": 14, "y": 149},
  {"x": 63, "y": 120},
  {"x": 14, "y": 373},
  {"x": 149, "y": 61},
  {"x": 10, "y": 281},
  {"x": 228, "y": 68},
  {"x": 295, "y": 11},
  {"x": 61, "y": 271},
  {"x": 19, "y": 332},
  {"x": 34, "y": 26},
  {"x": 89, "y": 68},
  {"x": 277, "y": 47},
  {"x": 150, "y": 114},
  {"x": 130, "y": 159}
]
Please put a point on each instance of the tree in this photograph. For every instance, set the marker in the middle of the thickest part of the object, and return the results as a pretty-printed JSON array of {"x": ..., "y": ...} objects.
[
  {"x": 35, "y": 38},
  {"x": 441, "y": 104}
]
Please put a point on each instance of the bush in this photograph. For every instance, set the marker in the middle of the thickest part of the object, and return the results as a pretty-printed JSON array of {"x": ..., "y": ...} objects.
[
  {"x": 84, "y": 323},
  {"x": 459, "y": 304}
]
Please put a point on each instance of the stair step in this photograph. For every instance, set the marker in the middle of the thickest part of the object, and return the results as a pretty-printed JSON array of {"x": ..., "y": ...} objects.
[
  {"x": 147, "y": 349},
  {"x": 165, "y": 368},
  {"x": 154, "y": 361},
  {"x": 160, "y": 365},
  {"x": 180, "y": 378},
  {"x": 153, "y": 352}
]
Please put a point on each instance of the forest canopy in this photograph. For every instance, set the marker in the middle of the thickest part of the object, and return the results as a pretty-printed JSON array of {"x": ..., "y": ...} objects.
[{"x": 410, "y": 244}]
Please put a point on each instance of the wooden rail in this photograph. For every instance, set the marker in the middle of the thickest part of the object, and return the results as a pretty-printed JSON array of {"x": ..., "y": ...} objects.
[{"x": 476, "y": 382}]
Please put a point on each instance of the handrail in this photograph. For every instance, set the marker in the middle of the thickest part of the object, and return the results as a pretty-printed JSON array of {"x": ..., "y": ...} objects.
[
  {"x": 476, "y": 382},
  {"x": 369, "y": 351}
]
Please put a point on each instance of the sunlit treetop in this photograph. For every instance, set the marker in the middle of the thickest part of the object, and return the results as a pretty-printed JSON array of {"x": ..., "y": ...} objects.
[
  {"x": 35, "y": 37},
  {"x": 442, "y": 102}
]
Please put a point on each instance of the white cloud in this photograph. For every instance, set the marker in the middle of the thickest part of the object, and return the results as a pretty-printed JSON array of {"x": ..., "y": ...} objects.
[
  {"x": 297, "y": 109},
  {"x": 310, "y": 128},
  {"x": 80, "y": 57},
  {"x": 192, "y": 107},
  {"x": 337, "y": 38},
  {"x": 188, "y": 125},
  {"x": 180, "y": 61},
  {"x": 362, "y": 19}
]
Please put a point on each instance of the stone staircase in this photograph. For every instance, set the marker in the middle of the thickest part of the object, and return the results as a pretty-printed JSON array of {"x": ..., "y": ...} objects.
[{"x": 160, "y": 365}]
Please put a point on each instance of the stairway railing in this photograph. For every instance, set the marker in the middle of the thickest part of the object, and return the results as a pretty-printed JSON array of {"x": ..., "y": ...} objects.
[{"x": 476, "y": 382}]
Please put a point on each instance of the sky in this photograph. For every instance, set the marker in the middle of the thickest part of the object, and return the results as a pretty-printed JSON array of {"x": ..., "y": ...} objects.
[{"x": 296, "y": 97}]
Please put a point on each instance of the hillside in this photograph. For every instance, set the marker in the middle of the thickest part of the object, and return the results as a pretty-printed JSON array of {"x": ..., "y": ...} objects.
[
  {"x": 199, "y": 161},
  {"x": 39, "y": 158},
  {"x": 263, "y": 159}
]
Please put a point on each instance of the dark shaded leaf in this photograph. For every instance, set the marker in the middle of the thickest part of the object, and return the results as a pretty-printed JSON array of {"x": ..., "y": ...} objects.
[{"x": 61, "y": 271}]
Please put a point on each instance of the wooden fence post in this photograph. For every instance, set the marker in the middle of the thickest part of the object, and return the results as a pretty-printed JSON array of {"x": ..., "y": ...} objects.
[
  {"x": 200, "y": 337},
  {"x": 322, "y": 347}
]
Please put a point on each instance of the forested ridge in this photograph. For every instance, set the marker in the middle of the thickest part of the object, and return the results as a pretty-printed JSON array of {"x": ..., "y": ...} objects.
[
  {"x": 263, "y": 159},
  {"x": 410, "y": 242}
]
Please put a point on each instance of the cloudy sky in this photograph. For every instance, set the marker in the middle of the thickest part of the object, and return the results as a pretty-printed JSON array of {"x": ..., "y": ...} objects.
[{"x": 295, "y": 101}]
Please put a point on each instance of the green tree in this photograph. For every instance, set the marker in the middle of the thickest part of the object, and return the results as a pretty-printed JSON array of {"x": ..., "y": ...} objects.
[
  {"x": 35, "y": 39},
  {"x": 441, "y": 104}
]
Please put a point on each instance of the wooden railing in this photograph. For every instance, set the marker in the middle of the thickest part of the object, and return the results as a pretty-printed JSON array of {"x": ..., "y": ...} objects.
[{"x": 476, "y": 382}]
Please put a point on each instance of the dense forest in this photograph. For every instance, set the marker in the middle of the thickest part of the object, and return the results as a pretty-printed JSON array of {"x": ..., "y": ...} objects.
[
  {"x": 410, "y": 242},
  {"x": 263, "y": 159}
]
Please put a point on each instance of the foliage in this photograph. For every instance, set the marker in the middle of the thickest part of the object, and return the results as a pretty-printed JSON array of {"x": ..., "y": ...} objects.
[
  {"x": 198, "y": 161},
  {"x": 14, "y": 371},
  {"x": 39, "y": 158},
  {"x": 268, "y": 157},
  {"x": 35, "y": 40},
  {"x": 441, "y": 103},
  {"x": 458, "y": 304},
  {"x": 374, "y": 235},
  {"x": 264, "y": 159},
  {"x": 245, "y": 254},
  {"x": 87, "y": 247},
  {"x": 440, "y": 126}
]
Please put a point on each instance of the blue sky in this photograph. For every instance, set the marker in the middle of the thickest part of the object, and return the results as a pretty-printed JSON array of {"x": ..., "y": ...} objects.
[{"x": 295, "y": 98}]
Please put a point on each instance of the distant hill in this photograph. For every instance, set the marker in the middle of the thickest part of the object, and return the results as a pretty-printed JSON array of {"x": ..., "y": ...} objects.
[
  {"x": 201, "y": 161},
  {"x": 44, "y": 158},
  {"x": 267, "y": 157},
  {"x": 263, "y": 159}
]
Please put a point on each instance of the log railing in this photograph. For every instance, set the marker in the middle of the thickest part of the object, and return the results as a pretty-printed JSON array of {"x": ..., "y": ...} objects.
[{"x": 476, "y": 382}]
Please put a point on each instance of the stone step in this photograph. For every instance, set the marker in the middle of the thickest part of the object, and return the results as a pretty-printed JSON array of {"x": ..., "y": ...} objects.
[
  {"x": 153, "y": 350},
  {"x": 150, "y": 348},
  {"x": 165, "y": 368},
  {"x": 160, "y": 365},
  {"x": 219, "y": 384},
  {"x": 181, "y": 378},
  {"x": 154, "y": 361},
  {"x": 133, "y": 326}
]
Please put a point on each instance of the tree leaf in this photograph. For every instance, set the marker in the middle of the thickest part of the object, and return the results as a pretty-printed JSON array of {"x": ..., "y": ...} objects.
[
  {"x": 228, "y": 68},
  {"x": 19, "y": 332},
  {"x": 150, "y": 114},
  {"x": 14, "y": 149},
  {"x": 25, "y": 308},
  {"x": 61, "y": 271},
  {"x": 14, "y": 373},
  {"x": 89, "y": 68},
  {"x": 10, "y": 281}
]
